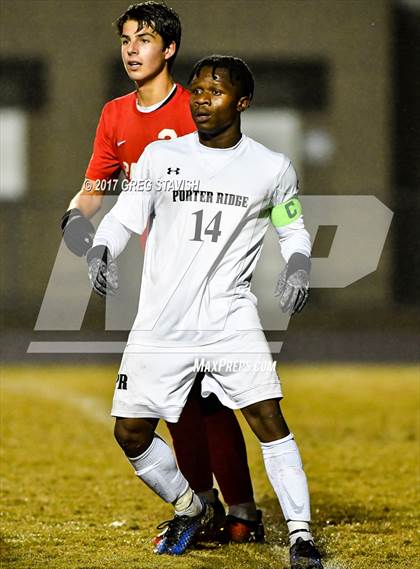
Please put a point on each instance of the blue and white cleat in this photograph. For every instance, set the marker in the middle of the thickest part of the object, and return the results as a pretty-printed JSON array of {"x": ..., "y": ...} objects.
[{"x": 181, "y": 531}]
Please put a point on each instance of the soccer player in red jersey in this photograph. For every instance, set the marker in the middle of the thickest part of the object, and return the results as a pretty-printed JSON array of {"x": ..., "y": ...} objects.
[{"x": 208, "y": 438}]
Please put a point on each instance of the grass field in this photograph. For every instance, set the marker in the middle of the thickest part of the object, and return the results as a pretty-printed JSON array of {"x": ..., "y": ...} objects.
[{"x": 70, "y": 500}]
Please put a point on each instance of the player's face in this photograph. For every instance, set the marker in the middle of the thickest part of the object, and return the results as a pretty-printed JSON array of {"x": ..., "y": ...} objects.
[
  {"x": 143, "y": 52},
  {"x": 215, "y": 101}
]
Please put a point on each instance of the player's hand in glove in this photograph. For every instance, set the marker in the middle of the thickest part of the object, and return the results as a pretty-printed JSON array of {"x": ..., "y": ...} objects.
[
  {"x": 103, "y": 270},
  {"x": 77, "y": 231},
  {"x": 292, "y": 287}
]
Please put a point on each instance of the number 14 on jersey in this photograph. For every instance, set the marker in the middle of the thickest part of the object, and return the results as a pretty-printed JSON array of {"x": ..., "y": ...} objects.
[{"x": 212, "y": 229}]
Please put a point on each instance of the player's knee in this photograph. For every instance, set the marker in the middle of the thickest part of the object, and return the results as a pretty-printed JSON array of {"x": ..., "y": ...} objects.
[
  {"x": 266, "y": 420},
  {"x": 135, "y": 438},
  {"x": 263, "y": 411}
]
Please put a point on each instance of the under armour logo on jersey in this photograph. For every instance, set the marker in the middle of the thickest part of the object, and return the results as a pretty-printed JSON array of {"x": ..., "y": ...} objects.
[
  {"x": 176, "y": 170},
  {"x": 122, "y": 381}
]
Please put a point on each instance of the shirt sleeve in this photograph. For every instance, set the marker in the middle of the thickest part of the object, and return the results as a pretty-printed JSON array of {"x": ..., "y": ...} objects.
[
  {"x": 112, "y": 234},
  {"x": 104, "y": 163},
  {"x": 135, "y": 204},
  {"x": 293, "y": 237},
  {"x": 286, "y": 187}
]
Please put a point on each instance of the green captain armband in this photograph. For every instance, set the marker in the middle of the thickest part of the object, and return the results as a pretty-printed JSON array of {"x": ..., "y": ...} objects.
[{"x": 286, "y": 213}]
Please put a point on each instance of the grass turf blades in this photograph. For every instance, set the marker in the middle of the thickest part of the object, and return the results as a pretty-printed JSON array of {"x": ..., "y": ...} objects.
[{"x": 69, "y": 499}]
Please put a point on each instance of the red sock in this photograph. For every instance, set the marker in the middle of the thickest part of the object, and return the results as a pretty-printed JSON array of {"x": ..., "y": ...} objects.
[
  {"x": 227, "y": 452},
  {"x": 208, "y": 439},
  {"x": 189, "y": 437}
]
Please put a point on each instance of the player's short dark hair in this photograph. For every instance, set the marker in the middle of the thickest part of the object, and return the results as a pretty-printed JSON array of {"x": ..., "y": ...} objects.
[
  {"x": 162, "y": 19},
  {"x": 239, "y": 72}
]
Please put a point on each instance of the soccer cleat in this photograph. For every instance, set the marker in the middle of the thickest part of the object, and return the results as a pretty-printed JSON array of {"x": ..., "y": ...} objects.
[
  {"x": 158, "y": 538},
  {"x": 304, "y": 555},
  {"x": 215, "y": 532},
  {"x": 212, "y": 533},
  {"x": 239, "y": 530},
  {"x": 182, "y": 530}
]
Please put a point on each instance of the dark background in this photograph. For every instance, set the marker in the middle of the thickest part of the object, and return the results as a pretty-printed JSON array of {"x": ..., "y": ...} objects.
[{"x": 348, "y": 69}]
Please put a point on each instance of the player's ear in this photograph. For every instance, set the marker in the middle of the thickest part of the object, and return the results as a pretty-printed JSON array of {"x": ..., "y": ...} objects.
[
  {"x": 170, "y": 50},
  {"x": 242, "y": 104}
]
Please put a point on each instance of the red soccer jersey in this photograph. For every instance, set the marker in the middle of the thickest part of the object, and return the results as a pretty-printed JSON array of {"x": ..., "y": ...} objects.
[{"x": 123, "y": 132}]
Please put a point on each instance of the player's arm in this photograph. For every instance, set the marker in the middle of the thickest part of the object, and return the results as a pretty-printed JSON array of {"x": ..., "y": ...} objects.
[
  {"x": 88, "y": 200},
  {"x": 129, "y": 215},
  {"x": 77, "y": 230},
  {"x": 286, "y": 215}
]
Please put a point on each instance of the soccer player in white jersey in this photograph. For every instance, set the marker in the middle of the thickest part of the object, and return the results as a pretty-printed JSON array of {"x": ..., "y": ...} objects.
[
  {"x": 150, "y": 37},
  {"x": 210, "y": 196}
]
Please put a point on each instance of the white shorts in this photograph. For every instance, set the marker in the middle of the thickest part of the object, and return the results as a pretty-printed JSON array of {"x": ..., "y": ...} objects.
[{"x": 154, "y": 382}]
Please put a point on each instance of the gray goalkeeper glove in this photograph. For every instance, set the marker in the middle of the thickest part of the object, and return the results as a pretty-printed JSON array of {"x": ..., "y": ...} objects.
[
  {"x": 77, "y": 232},
  {"x": 103, "y": 270},
  {"x": 292, "y": 288}
]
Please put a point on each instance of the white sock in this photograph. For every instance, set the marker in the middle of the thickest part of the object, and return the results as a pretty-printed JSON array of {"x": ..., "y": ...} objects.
[
  {"x": 245, "y": 511},
  {"x": 189, "y": 504},
  {"x": 158, "y": 470},
  {"x": 298, "y": 529},
  {"x": 285, "y": 472}
]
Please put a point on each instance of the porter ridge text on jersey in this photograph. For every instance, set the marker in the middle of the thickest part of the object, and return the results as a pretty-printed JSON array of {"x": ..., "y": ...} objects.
[{"x": 209, "y": 197}]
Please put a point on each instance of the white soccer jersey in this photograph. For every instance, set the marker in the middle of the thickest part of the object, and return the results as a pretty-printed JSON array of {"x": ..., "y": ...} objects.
[{"x": 210, "y": 209}]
